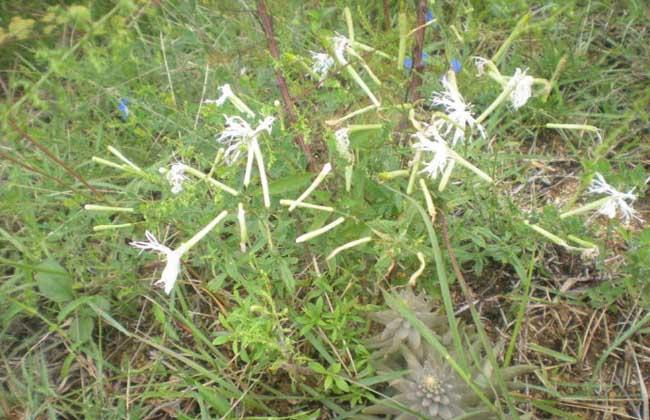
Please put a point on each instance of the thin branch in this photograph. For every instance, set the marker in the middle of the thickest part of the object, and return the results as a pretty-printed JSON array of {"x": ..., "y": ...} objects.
[
  {"x": 469, "y": 294},
  {"x": 53, "y": 157},
  {"x": 37, "y": 171},
  {"x": 418, "y": 65},
  {"x": 289, "y": 106}
]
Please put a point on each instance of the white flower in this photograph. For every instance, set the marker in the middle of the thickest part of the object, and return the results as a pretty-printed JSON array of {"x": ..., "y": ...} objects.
[
  {"x": 322, "y": 63},
  {"x": 226, "y": 93},
  {"x": 438, "y": 147},
  {"x": 458, "y": 112},
  {"x": 341, "y": 44},
  {"x": 342, "y": 136},
  {"x": 176, "y": 177},
  {"x": 522, "y": 88},
  {"x": 617, "y": 201},
  {"x": 173, "y": 266},
  {"x": 238, "y": 132},
  {"x": 173, "y": 256}
]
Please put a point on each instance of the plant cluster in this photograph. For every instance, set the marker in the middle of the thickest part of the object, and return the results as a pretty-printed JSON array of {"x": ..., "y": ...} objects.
[{"x": 271, "y": 199}]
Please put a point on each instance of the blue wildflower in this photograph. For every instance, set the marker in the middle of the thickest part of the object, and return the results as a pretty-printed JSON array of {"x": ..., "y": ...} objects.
[
  {"x": 455, "y": 65},
  {"x": 408, "y": 61},
  {"x": 123, "y": 107},
  {"x": 428, "y": 16}
]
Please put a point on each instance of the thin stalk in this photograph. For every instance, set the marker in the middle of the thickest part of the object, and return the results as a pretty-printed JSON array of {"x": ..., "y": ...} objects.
[
  {"x": 458, "y": 158},
  {"x": 110, "y": 164},
  {"x": 351, "y": 115},
  {"x": 348, "y": 245},
  {"x": 186, "y": 246},
  {"x": 431, "y": 208},
  {"x": 314, "y": 233},
  {"x": 354, "y": 128},
  {"x": 97, "y": 207},
  {"x": 240, "y": 105},
  {"x": 348, "y": 177},
  {"x": 249, "y": 165},
  {"x": 581, "y": 127},
  {"x": 586, "y": 208},
  {"x": 559, "y": 68},
  {"x": 321, "y": 176},
  {"x": 123, "y": 158},
  {"x": 521, "y": 27},
  {"x": 210, "y": 180},
  {"x": 526, "y": 281},
  {"x": 243, "y": 231},
  {"x": 368, "y": 48},
  {"x": 414, "y": 171},
  {"x": 306, "y": 205},
  {"x": 260, "y": 167},
  {"x": 446, "y": 175},
  {"x": 385, "y": 176},
  {"x": 414, "y": 277},
  {"x": 498, "y": 101},
  {"x": 99, "y": 228},
  {"x": 355, "y": 76},
  {"x": 349, "y": 23}
]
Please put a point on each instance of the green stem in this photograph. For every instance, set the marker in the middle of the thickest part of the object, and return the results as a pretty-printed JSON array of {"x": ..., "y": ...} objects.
[
  {"x": 458, "y": 158},
  {"x": 363, "y": 127},
  {"x": 586, "y": 208},
  {"x": 349, "y": 23},
  {"x": 100, "y": 228},
  {"x": 498, "y": 101},
  {"x": 186, "y": 246},
  {"x": 95, "y": 207},
  {"x": 414, "y": 171},
  {"x": 212, "y": 181},
  {"x": 520, "y": 28}
]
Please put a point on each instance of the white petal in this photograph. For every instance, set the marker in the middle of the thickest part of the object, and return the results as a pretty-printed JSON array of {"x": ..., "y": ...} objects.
[{"x": 171, "y": 271}]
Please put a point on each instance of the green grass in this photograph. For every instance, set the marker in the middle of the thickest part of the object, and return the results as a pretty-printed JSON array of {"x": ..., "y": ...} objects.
[{"x": 279, "y": 331}]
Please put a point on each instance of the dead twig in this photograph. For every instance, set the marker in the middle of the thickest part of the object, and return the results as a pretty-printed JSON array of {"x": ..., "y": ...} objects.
[
  {"x": 54, "y": 158},
  {"x": 413, "y": 94},
  {"x": 289, "y": 106}
]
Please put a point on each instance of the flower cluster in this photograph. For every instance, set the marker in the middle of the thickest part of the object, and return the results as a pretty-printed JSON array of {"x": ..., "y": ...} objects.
[
  {"x": 176, "y": 177},
  {"x": 459, "y": 116},
  {"x": 431, "y": 387},
  {"x": 616, "y": 202},
  {"x": 322, "y": 63}
]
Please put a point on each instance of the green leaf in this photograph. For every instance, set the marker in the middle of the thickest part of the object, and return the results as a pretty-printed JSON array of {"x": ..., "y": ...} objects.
[
  {"x": 552, "y": 353},
  {"x": 214, "y": 398},
  {"x": 328, "y": 382},
  {"x": 290, "y": 183},
  {"x": 222, "y": 338},
  {"x": 81, "y": 328},
  {"x": 342, "y": 384},
  {"x": 287, "y": 276},
  {"x": 317, "y": 367},
  {"x": 53, "y": 281}
]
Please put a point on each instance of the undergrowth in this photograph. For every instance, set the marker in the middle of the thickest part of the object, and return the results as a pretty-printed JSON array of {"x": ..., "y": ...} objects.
[{"x": 112, "y": 128}]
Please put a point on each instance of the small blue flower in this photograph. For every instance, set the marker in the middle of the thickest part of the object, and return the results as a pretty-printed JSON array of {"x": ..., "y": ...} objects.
[
  {"x": 429, "y": 16},
  {"x": 455, "y": 65},
  {"x": 408, "y": 61},
  {"x": 123, "y": 107}
]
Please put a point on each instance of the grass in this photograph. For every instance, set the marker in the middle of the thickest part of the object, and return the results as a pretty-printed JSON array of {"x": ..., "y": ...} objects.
[{"x": 279, "y": 331}]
